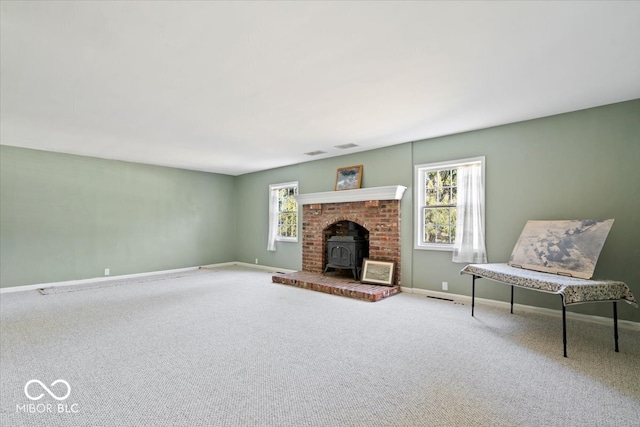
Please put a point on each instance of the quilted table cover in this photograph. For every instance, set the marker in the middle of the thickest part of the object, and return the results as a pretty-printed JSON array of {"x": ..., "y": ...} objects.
[{"x": 572, "y": 289}]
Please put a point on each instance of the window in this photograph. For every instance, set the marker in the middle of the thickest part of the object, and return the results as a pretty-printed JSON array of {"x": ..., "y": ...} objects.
[
  {"x": 283, "y": 213},
  {"x": 443, "y": 207}
]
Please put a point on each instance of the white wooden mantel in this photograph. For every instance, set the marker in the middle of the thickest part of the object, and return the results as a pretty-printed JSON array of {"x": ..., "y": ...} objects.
[{"x": 390, "y": 192}]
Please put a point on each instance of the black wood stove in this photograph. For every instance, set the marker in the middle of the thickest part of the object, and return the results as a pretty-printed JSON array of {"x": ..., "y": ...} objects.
[{"x": 347, "y": 253}]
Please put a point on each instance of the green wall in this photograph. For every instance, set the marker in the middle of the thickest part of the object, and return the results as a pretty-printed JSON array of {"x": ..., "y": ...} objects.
[
  {"x": 579, "y": 165},
  {"x": 65, "y": 217}
]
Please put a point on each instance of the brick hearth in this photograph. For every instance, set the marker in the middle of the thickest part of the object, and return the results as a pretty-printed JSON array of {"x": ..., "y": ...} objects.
[{"x": 336, "y": 285}]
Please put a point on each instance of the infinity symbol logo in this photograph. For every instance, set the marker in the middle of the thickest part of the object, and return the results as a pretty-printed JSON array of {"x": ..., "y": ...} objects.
[{"x": 52, "y": 394}]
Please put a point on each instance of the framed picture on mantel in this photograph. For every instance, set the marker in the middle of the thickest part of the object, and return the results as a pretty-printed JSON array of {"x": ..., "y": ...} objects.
[{"x": 349, "y": 178}]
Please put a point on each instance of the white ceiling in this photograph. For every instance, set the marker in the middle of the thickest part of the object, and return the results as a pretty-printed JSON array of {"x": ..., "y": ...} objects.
[{"x": 237, "y": 87}]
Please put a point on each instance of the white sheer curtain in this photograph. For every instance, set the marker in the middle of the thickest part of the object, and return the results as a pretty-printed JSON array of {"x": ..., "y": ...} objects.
[
  {"x": 469, "y": 245},
  {"x": 273, "y": 219}
]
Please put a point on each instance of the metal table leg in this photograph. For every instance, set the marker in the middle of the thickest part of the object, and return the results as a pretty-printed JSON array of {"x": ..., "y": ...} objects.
[
  {"x": 564, "y": 327},
  {"x": 615, "y": 324},
  {"x": 511, "y": 299},
  {"x": 473, "y": 292}
]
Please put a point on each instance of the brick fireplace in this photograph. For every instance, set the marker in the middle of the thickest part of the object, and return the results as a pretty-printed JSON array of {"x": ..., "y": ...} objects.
[{"x": 375, "y": 209}]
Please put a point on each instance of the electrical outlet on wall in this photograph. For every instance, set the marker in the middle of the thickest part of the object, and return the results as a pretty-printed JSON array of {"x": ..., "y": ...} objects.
[
  {"x": 106, "y": 272},
  {"x": 445, "y": 286},
  {"x": 256, "y": 260}
]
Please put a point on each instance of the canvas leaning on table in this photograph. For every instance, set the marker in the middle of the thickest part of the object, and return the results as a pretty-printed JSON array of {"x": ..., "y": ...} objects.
[{"x": 567, "y": 247}]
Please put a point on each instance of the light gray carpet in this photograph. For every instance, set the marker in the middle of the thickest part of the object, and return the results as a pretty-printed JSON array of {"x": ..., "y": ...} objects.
[{"x": 229, "y": 348}]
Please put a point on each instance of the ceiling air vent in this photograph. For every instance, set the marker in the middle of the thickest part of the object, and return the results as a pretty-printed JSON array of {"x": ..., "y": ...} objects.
[
  {"x": 315, "y": 153},
  {"x": 345, "y": 146}
]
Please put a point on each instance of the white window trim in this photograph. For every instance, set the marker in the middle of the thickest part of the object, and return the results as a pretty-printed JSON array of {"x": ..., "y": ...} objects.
[
  {"x": 420, "y": 171},
  {"x": 276, "y": 187}
]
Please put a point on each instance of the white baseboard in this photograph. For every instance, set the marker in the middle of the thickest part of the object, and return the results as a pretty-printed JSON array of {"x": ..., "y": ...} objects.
[
  {"x": 136, "y": 275},
  {"x": 264, "y": 267},
  {"x": 90, "y": 281},
  {"x": 627, "y": 324}
]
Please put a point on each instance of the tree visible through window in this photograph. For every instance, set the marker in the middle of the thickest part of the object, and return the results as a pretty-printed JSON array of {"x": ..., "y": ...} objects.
[
  {"x": 441, "y": 189},
  {"x": 287, "y": 212},
  {"x": 439, "y": 204},
  {"x": 283, "y": 214}
]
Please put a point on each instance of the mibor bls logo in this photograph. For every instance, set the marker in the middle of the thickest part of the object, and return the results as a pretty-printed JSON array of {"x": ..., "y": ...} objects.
[{"x": 36, "y": 389}]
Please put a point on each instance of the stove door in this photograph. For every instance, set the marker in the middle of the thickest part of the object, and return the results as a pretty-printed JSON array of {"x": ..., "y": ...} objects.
[{"x": 340, "y": 256}]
